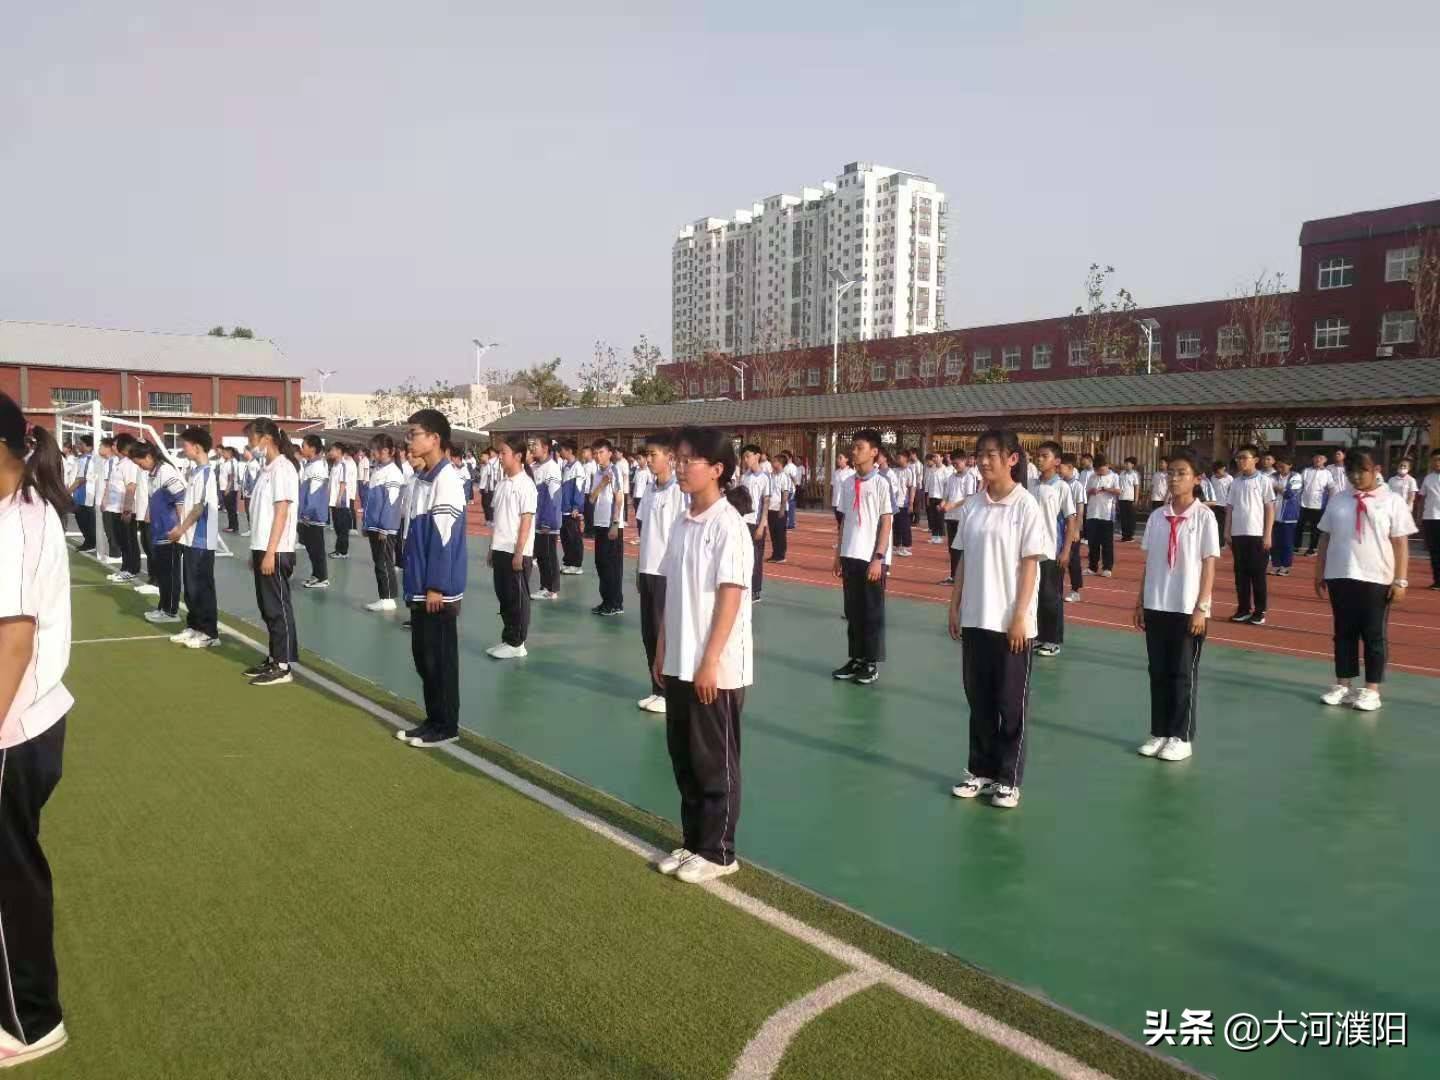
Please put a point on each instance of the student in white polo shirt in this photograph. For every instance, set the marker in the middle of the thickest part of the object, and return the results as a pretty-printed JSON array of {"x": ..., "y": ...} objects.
[
  {"x": 1363, "y": 566},
  {"x": 705, "y": 656},
  {"x": 34, "y": 653},
  {"x": 141, "y": 514},
  {"x": 862, "y": 559},
  {"x": 272, "y": 514},
  {"x": 664, "y": 503},
  {"x": 83, "y": 490},
  {"x": 545, "y": 471},
  {"x": 1249, "y": 529},
  {"x": 1062, "y": 532},
  {"x": 842, "y": 473},
  {"x": 1070, "y": 473},
  {"x": 1430, "y": 516},
  {"x": 779, "y": 507},
  {"x": 756, "y": 481},
  {"x": 120, "y": 509},
  {"x": 1316, "y": 486},
  {"x": 342, "y": 501},
  {"x": 607, "y": 515},
  {"x": 1160, "y": 485},
  {"x": 1102, "y": 493},
  {"x": 961, "y": 484},
  {"x": 1129, "y": 493},
  {"x": 993, "y": 611},
  {"x": 1403, "y": 483},
  {"x": 314, "y": 509},
  {"x": 1339, "y": 474},
  {"x": 195, "y": 533},
  {"x": 1182, "y": 547},
  {"x": 512, "y": 546}
]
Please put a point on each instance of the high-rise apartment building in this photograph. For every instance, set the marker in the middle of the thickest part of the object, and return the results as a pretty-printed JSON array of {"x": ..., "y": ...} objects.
[{"x": 758, "y": 281}]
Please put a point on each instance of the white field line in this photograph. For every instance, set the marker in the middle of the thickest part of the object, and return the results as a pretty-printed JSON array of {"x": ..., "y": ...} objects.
[
  {"x": 108, "y": 640},
  {"x": 762, "y": 1054},
  {"x": 1017, "y": 1042}
]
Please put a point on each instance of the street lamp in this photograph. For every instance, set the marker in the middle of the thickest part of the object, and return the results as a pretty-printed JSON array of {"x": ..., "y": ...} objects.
[
  {"x": 739, "y": 370},
  {"x": 841, "y": 284},
  {"x": 1148, "y": 327},
  {"x": 139, "y": 399},
  {"x": 323, "y": 376},
  {"x": 480, "y": 350}
]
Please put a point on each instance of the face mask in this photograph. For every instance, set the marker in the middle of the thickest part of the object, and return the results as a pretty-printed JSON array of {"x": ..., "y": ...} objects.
[{"x": 1404, "y": 470}]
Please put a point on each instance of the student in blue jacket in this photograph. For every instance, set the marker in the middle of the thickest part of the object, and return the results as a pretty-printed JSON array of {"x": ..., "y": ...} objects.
[
  {"x": 314, "y": 509},
  {"x": 382, "y": 508},
  {"x": 435, "y": 579},
  {"x": 574, "y": 483},
  {"x": 549, "y": 488}
]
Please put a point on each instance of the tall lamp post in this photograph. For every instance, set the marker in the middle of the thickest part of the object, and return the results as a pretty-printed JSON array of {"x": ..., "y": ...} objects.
[
  {"x": 739, "y": 370},
  {"x": 841, "y": 285},
  {"x": 139, "y": 399},
  {"x": 323, "y": 376},
  {"x": 480, "y": 350},
  {"x": 1148, "y": 328}
]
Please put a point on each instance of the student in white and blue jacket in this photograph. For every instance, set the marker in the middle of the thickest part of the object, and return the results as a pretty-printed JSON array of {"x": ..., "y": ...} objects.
[
  {"x": 314, "y": 509},
  {"x": 574, "y": 483},
  {"x": 382, "y": 508},
  {"x": 435, "y": 579},
  {"x": 549, "y": 490}
]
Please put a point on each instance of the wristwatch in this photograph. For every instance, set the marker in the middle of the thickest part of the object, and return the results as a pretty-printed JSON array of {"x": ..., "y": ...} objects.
[
  {"x": 1400, "y": 583},
  {"x": 878, "y": 555},
  {"x": 1203, "y": 609}
]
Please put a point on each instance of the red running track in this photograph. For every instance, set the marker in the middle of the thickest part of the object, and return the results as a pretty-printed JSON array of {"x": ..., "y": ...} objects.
[{"x": 1298, "y": 623}]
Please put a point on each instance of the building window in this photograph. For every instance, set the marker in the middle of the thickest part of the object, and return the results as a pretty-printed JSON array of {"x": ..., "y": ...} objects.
[
  {"x": 928, "y": 368},
  {"x": 1187, "y": 344},
  {"x": 170, "y": 435},
  {"x": 982, "y": 360},
  {"x": 877, "y": 372},
  {"x": 1402, "y": 264},
  {"x": 1336, "y": 273},
  {"x": 1010, "y": 357},
  {"x": 1332, "y": 333},
  {"x": 793, "y": 380},
  {"x": 922, "y": 306},
  {"x": 256, "y": 405},
  {"x": 62, "y": 396},
  {"x": 954, "y": 362},
  {"x": 694, "y": 387},
  {"x": 902, "y": 369},
  {"x": 1040, "y": 356},
  {"x": 1079, "y": 354},
  {"x": 722, "y": 384},
  {"x": 1397, "y": 328},
  {"x": 1230, "y": 341},
  {"x": 1276, "y": 338},
  {"x": 812, "y": 377},
  {"x": 159, "y": 401}
]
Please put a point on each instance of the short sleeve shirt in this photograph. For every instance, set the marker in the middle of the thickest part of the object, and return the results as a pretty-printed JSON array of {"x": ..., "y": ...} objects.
[{"x": 704, "y": 553}]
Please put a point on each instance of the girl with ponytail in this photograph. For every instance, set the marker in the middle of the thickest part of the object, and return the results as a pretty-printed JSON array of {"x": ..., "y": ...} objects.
[{"x": 34, "y": 652}]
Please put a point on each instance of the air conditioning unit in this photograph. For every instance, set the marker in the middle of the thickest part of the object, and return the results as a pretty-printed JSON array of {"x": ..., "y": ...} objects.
[{"x": 1385, "y": 350}]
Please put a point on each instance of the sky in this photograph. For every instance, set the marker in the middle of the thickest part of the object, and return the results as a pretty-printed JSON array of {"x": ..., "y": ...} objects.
[{"x": 373, "y": 185}]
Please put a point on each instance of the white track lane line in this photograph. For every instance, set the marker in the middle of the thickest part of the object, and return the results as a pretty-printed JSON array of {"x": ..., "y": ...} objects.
[
  {"x": 762, "y": 1054},
  {"x": 1017, "y": 1042},
  {"x": 108, "y": 640}
]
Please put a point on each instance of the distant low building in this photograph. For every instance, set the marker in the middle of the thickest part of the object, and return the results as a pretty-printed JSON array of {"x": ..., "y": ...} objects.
[{"x": 470, "y": 406}]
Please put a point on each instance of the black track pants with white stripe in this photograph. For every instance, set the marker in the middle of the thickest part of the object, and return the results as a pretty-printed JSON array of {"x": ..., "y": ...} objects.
[
  {"x": 29, "y": 985},
  {"x": 997, "y": 686},
  {"x": 1174, "y": 674},
  {"x": 704, "y": 744},
  {"x": 272, "y": 596}
]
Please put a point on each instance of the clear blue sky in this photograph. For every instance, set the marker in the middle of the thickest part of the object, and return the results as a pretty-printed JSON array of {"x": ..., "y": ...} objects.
[{"x": 372, "y": 185}]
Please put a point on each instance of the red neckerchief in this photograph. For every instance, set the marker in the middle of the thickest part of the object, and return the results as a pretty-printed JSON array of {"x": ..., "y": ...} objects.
[
  {"x": 1174, "y": 521},
  {"x": 858, "y": 481},
  {"x": 1360, "y": 511}
]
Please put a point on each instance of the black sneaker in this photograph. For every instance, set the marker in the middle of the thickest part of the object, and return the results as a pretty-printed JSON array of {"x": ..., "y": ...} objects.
[
  {"x": 435, "y": 737},
  {"x": 259, "y": 669},
  {"x": 1241, "y": 616},
  {"x": 599, "y": 609},
  {"x": 946, "y": 581},
  {"x": 613, "y": 611},
  {"x": 849, "y": 671},
  {"x": 1258, "y": 619},
  {"x": 414, "y": 733},
  {"x": 276, "y": 676},
  {"x": 865, "y": 674},
  {"x": 405, "y": 625}
]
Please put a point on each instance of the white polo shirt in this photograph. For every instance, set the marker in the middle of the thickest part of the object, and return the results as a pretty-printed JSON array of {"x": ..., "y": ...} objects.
[
  {"x": 201, "y": 490},
  {"x": 663, "y": 505},
  {"x": 758, "y": 484},
  {"x": 1314, "y": 483},
  {"x": 1176, "y": 588},
  {"x": 122, "y": 473},
  {"x": 704, "y": 553},
  {"x": 337, "y": 477},
  {"x": 515, "y": 496},
  {"x": 1129, "y": 485},
  {"x": 352, "y": 478},
  {"x": 995, "y": 536},
  {"x": 781, "y": 485},
  {"x": 866, "y": 499},
  {"x": 277, "y": 483},
  {"x": 1100, "y": 494},
  {"x": 225, "y": 474},
  {"x": 641, "y": 480},
  {"x": 35, "y": 584},
  {"x": 1404, "y": 486},
  {"x": 604, "y": 505},
  {"x": 141, "y": 502},
  {"x": 837, "y": 483},
  {"x": 1368, "y": 555},
  {"x": 959, "y": 486},
  {"x": 1219, "y": 489},
  {"x": 1430, "y": 489},
  {"x": 1339, "y": 481},
  {"x": 935, "y": 482},
  {"x": 1249, "y": 495},
  {"x": 1056, "y": 502},
  {"x": 1159, "y": 486}
]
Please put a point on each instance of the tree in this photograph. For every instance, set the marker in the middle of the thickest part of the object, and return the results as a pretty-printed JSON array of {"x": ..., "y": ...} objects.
[
  {"x": 1105, "y": 323},
  {"x": 216, "y": 331},
  {"x": 242, "y": 332},
  {"x": 647, "y": 386},
  {"x": 600, "y": 377},
  {"x": 1426, "y": 283},
  {"x": 1260, "y": 333},
  {"x": 542, "y": 381},
  {"x": 395, "y": 404}
]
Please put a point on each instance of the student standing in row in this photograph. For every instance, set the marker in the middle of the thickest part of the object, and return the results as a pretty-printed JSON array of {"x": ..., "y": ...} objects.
[
  {"x": 249, "y": 477},
  {"x": 843, "y": 472},
  {"x": 665, "y": 502},
  {"x": 196, "y": 533},
  {"x": 573, "y": 509},
  {"x": 1403, "y": 484},
  {"x": 993, "y": 612},
  {"x": 1339, "y": 477},
  {"x": 961, "y": 484},
  {"x": 757, "y": 482},
  {"x": 705, "y": 657},
  {"x": 435, "y": 568},
  {"x": 640, "y": 481},
  {"x": 141, "y": 515},
  {"x": 1062, "y": 531},
  {"x": 1070, "y": 473},
  {"x": 380, "y": 519},
  {"x": 1362, "y": 566},
  {"x": 1316, "y": 485},
  {"x": 545, "y": 472},
  {"x": 862, "y": 559},
  {"x": 271, "y": 509},
  {"x": 34, "y": 653},
  {"x": 1102, "y": 491},
  {"x": 1249, "y": 529},
  {"x": 1430, "y": 516},
  {"x": 1182, "y": 547},
  {"x": 902, "y": 480},
  {"x": 1160, "y": 485},
  {"x": 1287, "y": 516},
  {"x": 1216, "y": 489},
  {"x": 1129, "y": 492},
  {"x": 83, "y": 491},
  {"x": 489, "y": 479},
  {"x": 227, "y": 482},
  {"x": 512, "y": 547},
  {"x": 314, "y": 509},
  {"x": 778, "y": 508},
  {"x": 119, "y": 509},
  {"x": 935, "y": 481},
  {"x": 342, "y": 495},
  {"x": 607, "y": 509},
  {"x": 167, "y": 497}
]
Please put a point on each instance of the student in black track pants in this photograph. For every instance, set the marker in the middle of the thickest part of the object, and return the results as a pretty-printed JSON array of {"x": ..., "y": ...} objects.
[
  {"x": 272, "y": 508},
  {"x": 665, "y": 501},
  {"x": 862, "y": 559},
  {"x": 607, "y": 501},
  {"x": 1062, "y": 528}
]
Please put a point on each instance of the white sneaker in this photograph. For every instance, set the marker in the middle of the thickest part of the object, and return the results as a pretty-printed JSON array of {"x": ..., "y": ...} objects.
[
  {"x": 1174, "y": 750},
  {"x": 245, "y": 533},
  {"x": 697, "y": 870},
  {"x": 507, "y": 652},
  {"x": 148, "y": 589},
  {"x": 184, "y": 636},
  {"x": 160, "y": 616},
  {"x": 201, "y": 640},
  {"x": 113, "y": 559},
  {"x": 316, "y": 583},
  {"x": 1106, "y": 573},
  {"x": 676, "y": 859},
  {"x": 1339, "y": 694},
  {"x": 644, "y": 702},
  {"x": 571, "y": 571},
  {"x": 13, "y": 1052},
  {"x": 380, "y": 605},
  {"x": 1151, "y": 746},
  {"x": 1073, "y": 598},
  {"x": 972, "y": 786},
  {"x": 655, "y": 703},
  {"x": 1366, "y": 700},
  {"x": 904, "y": 553},
  {"x": 544, "y": 594},
  {"x": 1005, "y": 797}
]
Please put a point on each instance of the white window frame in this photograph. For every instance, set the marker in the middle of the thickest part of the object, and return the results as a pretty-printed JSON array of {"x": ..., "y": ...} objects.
[
  {"x": 981, "y": 360},
  {"x": 1394, "y": 324},
  {"x": 1332, "y": 333},
  {"x": 902, "y": 369},
  {"x": 1188, "y": 345},
  {"x": 240, "y": 409},
  {"x": 1230, "y": 341},
  {"x": 877, "y": 372},
  {"x": 1275, "y": 338},
  {"x": 812, "y": 377},
  {"x": 954, "y": 362},
  {"x": 929, "y": 368},
  {"x": 1010, "y": 357},
  {"x": 1036, "y": 354},
  {"x": 694, "y": 387},
  {"x": 792, "y": 380},
  {"x": 1078, "y": 354},
  {"x": 1401, "y": 264},
  {"x": 1333, "y": 272}
]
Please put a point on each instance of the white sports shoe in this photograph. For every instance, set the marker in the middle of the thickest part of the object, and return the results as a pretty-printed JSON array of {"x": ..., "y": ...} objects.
[
  {"x": 184, "y": 636},
  {"x": 380, "y": 605},
  {"x": 544, "y": 594},
  {"x": 13, "y": 1052},
  {"x": 1366, "y": 700},
  {"x": 1174, "y": 750},
  {"x": 1073, "y": 598},
  {"x": 655, "y": 703},
  {"x": 1005, "y": 797},
  {"x": 1151, "y": 746},
  {"x": 1107, "y": 573},
  {"x": 148, "y": 589},
  {"x": 676, "y": 859},
  {"x": 1339, "y": 694},
  {"x": 160, "y": 616},
  {"x": 697, "y": 870},
  {"x": 972, "y": 786},
  {"x": 200, "y": 640},
  {"x": 644, "y": 702},
  {"x": 507, "y": 652}
]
